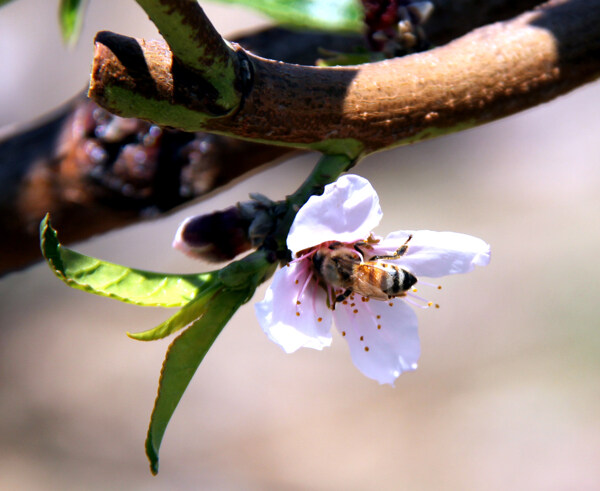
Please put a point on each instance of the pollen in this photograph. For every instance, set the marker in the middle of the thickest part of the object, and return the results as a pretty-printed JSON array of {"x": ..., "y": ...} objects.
[
  {"x": 345, "y": 302},
  {"x": 352, "y": 304},
  {"x": 296, "y": 282},
  {"x": 297, "y": 314},
  {"x": 343, "y": 333},
  {"x": 378, "y": 316},
  {"x": 439, "y": 287},
  {"x": 378, "y": 326},
  {"x": 391, "y": 304},
  {"x": 414, "y": 290},
  {"x": 319, "y": 319},
  {"x": 298, "y": 302},
  {"x": 362, "y": 338},
  {"x": 366, "y": 348},
  {"x": 355, "y": 311}
]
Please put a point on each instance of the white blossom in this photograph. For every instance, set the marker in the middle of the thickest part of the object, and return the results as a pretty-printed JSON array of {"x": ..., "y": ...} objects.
[{"x": 299, "y": 307}]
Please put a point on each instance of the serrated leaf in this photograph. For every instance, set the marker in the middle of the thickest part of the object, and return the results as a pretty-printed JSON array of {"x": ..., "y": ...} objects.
[
  {"x": 120, "y": 282},
  {"x": 184, "y": 317},
  {"x": 331, "y": 15},
  {"x": 182, "y": 359},
  {"x": 70, "y": 16}
]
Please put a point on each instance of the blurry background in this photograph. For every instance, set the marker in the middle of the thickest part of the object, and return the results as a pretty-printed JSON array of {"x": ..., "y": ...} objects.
[{"x": 507, "y": 394}]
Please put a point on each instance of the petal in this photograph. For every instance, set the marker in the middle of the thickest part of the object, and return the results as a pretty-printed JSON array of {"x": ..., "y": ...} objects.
[
  {"x": 347, "y": 211},
  {"x": 436, "y": 254},
  {"x": 382, "y": 336},
  {"x": 289, "y": 324}
]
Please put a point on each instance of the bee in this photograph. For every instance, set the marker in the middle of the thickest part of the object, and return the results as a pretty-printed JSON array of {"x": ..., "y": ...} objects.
[{"x": 343, "y": 267}]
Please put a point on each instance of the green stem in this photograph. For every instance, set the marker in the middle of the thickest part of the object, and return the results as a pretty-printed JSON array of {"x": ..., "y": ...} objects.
[{"x": 199, "y": 51}]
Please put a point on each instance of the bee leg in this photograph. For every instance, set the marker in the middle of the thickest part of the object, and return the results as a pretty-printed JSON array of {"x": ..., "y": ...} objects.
[
  {"x": 400, "y": 252},
  {"x": 343, "y": 296},
  {"x": 357, "y": 248}
]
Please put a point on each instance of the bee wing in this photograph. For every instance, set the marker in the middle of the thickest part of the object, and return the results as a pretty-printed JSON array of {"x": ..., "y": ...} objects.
[{"x": 368, "y": 280}]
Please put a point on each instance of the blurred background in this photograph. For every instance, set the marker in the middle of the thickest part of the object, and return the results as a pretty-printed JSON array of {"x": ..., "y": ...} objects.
[{"x": 507, "y": 394}]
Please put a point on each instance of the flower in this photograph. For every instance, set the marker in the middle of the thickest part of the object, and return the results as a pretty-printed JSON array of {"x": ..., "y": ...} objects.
[{"x": 304, "y": 297}]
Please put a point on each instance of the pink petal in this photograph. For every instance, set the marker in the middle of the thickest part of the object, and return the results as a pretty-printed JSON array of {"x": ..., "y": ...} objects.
[
  {"x": 347, "y": 211},
  {"x": 278, "y": 312},
  {"x": 435, "y": 254},
  {"x": 382, "y": 336}
]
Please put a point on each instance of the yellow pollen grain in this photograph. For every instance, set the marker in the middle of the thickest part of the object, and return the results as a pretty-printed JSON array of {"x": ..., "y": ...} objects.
[
  {"x": 378, "y": 326},
  {"x": 378, "y": 316},
  {"x": 352, "y": 304},
  {"x": 391, "y": 304},
  {"x": 298, "y": 302},
  {"x": 429, "y": 304},
  {"x": 437, "y": 305},
  {"x": 415, "y": 290},
  {"x": 296, "y": 282},
  {"x": 319, "y": 319},
  {"x": 298, "y": 314},
  {"x": 343, "y": 333},
  {"x": 355, "y": 311},
  {"x": 439, "y": 287},
  {"x": 362, "y": 338},
  {"x": 345, "y": 302},
  {"x": 366, "y": 348}
]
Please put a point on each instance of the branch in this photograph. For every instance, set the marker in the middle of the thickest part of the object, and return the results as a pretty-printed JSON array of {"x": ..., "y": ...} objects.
[
  {"x": 489, "y": 73},
  {"x": 55, "y": 167}
]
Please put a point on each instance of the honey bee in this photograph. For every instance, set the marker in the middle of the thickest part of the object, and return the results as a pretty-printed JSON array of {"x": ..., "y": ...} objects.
[{"x": 343, "y": 267}]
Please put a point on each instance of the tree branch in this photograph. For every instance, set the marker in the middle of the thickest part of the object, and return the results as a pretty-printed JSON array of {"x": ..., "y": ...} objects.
[
  {"x": 491, "y": 72},
  {"x": 92, "y": 180}
]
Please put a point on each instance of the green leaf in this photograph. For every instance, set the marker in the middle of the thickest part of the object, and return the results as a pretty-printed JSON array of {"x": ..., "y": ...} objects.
[
  {"x": 120, "y": 282},
  {"x": 183, "y": 358},
  {"x": 4, "y": 2},
  {"x": 331, "y": 15},
  {"x": 70, "y": 16},
  {"x": 184, "y": 317}
]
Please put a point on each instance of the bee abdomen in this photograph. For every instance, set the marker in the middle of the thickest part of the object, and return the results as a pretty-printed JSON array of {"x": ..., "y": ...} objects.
[{"x": 401, "y": 281}]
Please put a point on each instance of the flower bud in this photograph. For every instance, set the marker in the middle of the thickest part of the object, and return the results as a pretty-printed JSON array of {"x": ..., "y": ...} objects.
[{"x": 214, "y": 237}]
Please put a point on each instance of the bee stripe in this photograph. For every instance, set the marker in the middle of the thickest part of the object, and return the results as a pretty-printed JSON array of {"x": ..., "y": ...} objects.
[{"x": 396, "y": 276}]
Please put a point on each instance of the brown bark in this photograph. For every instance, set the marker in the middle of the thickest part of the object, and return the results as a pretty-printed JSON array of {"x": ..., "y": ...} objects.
[{"x": 489, "y": 73}]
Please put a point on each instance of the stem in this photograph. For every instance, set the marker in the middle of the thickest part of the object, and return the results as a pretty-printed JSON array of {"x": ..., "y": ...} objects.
[{"x": 204, "y": 65}]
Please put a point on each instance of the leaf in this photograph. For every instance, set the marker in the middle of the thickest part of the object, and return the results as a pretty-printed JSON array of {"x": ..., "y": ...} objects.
[
  {"x": 331, "y": 15},
  {"x": 184, "y": 317},
  {"x": 183, "y": 358},
  {"x": 120, "y": 282},
  {"x": 4, "y": 2},
  {"x": 70, "y": 16}
]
